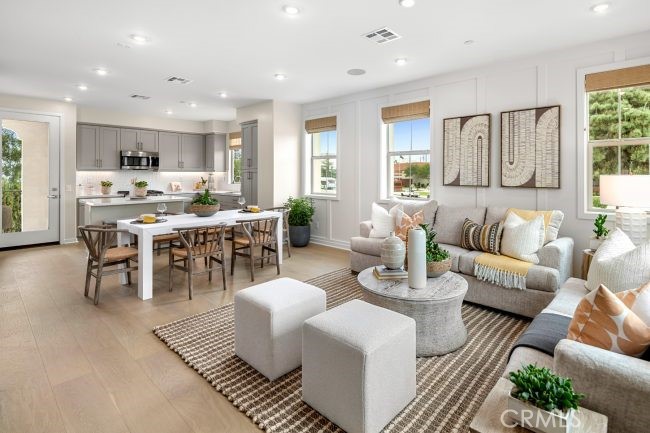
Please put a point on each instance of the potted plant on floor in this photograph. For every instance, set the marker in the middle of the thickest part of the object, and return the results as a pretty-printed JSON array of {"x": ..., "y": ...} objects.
[
  {"x": 301, "y": 211},
  {"x": 600, "y": 231},
  {"x": 140, "y": 188},
  {"x": 541, "y": 401},
  {"x": 438, "y": 259},
  {"x": 204, "y": 205},
  {"x": 106, "y": 186}
]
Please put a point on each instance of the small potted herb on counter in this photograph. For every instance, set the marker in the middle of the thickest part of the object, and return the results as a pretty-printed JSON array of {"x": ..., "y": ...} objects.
[
  {"x": 600, "y": 231},
  {"x": 106, "y": 186},
  {"x": 301, "y": 212},
  {"x": 438, "y": 259},
  {"x": 541, "y": 401},
  {"x": 140, "y": 188},
  {"x": 204, "y": 205}
]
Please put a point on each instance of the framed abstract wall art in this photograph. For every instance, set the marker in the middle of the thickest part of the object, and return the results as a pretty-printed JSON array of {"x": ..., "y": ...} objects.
[
  {"x": 530, "y": 148},
  {"x": 466, "y": 151}
]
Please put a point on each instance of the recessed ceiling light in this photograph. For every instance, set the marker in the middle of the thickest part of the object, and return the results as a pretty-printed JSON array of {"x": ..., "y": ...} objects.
[
  {"x": 82, "y": 87},
  {"x": 356, "y": 71},
  {"x": 223, "y": 95},
  {"x": 100, "y": 71},
  {"x": 290, "y": 10},
  {"x": 192, "y": 104},
  {"x": 140, "y": 39},
  {"x": 600, "y": 8},
  {"x": 280, "y": 77},
  {"x": 407, "y": 3},
  {"x": 169, "y": 112},
  {"x": 67, "y": 99},
  {"x": 400, "y": 61},
  {"x": 469, "y": 42}
]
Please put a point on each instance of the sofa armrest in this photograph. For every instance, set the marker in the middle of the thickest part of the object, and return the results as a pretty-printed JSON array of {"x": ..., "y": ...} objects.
[
  {"x": 364, "y": 228},
  {"x": 558, "y": 254},
  {"x": 615, "y": 385}
]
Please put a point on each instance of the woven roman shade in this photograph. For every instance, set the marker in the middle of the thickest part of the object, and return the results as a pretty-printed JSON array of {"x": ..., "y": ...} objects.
[
  {"x": 320, "y": 125},
  {"x": 234, "y": 140},
  {"x": 618, "y": 78},
  {"x": 400, "y": 113}
]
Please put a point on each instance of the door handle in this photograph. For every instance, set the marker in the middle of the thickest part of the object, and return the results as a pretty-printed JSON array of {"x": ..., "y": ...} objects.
[
  {"x": 52, "y": 196},
  {"x": 249, "y": 162}
]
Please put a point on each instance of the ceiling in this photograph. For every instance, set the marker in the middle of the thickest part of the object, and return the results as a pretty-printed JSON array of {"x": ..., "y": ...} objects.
[{"x": 47, "y": 48}]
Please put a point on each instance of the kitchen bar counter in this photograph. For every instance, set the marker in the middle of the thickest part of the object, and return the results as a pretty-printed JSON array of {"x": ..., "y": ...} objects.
[
  {"x": 108, "y": 210},
  {"x": 126, "y": 201}
]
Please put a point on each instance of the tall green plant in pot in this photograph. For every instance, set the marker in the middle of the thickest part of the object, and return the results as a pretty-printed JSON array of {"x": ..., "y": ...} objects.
[{"x": 301, "y": 212}]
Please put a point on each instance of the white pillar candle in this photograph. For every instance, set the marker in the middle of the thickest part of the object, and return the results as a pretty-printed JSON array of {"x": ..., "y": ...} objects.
[{"x": 417, "y": 259}]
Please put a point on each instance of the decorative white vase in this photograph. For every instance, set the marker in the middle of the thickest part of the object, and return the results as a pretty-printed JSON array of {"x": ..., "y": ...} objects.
[
  {"x": 393, "y": 252},
  {"x": 594, "y": 243},
  {"x": 417, "y": 259}
]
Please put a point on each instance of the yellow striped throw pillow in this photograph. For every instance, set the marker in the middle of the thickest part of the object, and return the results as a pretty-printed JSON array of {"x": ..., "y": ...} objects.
[{"x": 481, "y": 238}]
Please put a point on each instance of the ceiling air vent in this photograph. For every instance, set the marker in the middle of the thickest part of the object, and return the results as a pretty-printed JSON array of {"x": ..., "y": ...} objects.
[
  {"x": 178, "y": 80},
  {"x": 142, "y": 97},
  {"x": 382, "y": 35}
]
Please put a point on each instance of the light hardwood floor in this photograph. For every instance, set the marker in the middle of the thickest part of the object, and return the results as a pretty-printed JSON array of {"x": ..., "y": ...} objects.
[{"x": 67, "y": 365}]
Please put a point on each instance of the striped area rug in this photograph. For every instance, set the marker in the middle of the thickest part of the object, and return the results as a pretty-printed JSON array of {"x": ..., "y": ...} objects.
[{"x": 450, "y": 388}]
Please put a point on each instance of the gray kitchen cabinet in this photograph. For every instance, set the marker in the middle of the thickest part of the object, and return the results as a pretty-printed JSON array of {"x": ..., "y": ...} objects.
[
  {"x": 87, "y": 147},
  {"x": 249, "y": 145},
  {"x": 249, "y": 186},
  {"x": 192, "y": 152},
  {"x": 169, "y": 144},
  {"x": 109, "y": 148},
  {"x": 216, "y": 152},
  {"x": 139, "y": 140},
  {"x": 227, "y": 201}
]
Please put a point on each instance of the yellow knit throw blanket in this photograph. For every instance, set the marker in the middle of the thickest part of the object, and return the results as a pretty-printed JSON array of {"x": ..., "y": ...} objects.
[{"x": 501, "y": 270}]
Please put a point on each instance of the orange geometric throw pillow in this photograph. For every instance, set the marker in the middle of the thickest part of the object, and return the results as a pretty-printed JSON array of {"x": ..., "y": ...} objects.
[
  {"x": 603, "y": 320},
  {"x": 404, "y": 222}
]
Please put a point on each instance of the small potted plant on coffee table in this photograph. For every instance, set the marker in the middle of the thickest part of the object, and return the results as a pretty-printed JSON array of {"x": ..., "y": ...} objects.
[
  {"x": 140, "y": 188},
  {"x": 438, "y": 259},
  {"x": 106, "y": 186},
  {"x": 204, "y": 205},
  {"x": 301, "y": 212},
  {"x": 600, "y": 231},
  {"x": 541, "y": 401}
]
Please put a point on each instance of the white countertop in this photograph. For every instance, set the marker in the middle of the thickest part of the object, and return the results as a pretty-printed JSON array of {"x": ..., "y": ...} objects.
[
  {"x": 127, "y": 201},
  {"x": 89, "y": 196},
  {"x": 235, "y": 193}
]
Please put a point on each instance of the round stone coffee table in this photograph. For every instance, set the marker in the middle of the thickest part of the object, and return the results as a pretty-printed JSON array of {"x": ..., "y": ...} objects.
[{"x": 435, "y": 309}]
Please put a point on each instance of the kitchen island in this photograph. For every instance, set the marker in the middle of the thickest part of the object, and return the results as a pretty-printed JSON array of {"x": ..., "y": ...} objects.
[{"x": 99, "y": 210}]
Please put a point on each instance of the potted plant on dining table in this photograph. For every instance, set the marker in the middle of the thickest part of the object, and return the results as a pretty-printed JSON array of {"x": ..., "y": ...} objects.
[
  {"x": 204, "y": 205},
  {"x": 438, "y": 259}
]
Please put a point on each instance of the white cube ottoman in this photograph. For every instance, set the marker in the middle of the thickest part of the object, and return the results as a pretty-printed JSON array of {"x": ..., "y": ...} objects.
[
  {"x": 268, "y": 324},
  {"x": 358, "y": 365}
]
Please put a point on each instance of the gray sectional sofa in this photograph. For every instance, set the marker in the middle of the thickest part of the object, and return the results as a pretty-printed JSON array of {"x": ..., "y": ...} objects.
[{"x": 542, "y": 282}]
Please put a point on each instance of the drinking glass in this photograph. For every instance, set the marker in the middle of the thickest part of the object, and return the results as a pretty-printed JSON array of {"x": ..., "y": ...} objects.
[
  {"x": 241, "y": 201},
  {"x": 162, "y": 208}
]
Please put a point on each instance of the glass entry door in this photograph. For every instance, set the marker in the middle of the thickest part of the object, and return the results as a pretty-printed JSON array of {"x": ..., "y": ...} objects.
[{"x": 29, "y": 176}]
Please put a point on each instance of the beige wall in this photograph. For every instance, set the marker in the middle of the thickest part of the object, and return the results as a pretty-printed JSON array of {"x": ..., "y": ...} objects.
[
  {"x": 68, "y": 114},
  {"x": 287, "y": 135},
  {"x": 35, "y": 172}
]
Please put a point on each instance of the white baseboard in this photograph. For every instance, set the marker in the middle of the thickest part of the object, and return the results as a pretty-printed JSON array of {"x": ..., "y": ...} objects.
[
  {"x": 330, "y": 243},
  {"x": 69, "y": 241}
]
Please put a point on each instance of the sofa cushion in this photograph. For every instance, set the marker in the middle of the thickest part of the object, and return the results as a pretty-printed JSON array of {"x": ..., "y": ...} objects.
[
  {"x": 522, "y": 239},
  {"x": 455, "y": 252},
  {"x": 410, "y": 207},
  {"x": 383, "y": 221},
  {"x": 449, "y": 222},
  {"x": 466, "y": 262},
  {"x": 481, "y": 237},
  {"x": 370, "y": 246},
  {"x": 552, "y": 220},
  {"x": 567, "y": 298},
  {"x": 494, "y": 214}
]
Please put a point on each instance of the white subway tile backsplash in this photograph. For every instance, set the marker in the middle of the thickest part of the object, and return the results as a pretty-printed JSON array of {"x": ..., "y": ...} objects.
[{"x": 157, "y": 180}]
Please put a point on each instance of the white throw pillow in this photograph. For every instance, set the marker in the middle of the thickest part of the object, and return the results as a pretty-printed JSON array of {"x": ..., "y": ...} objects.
[
  {"x": 410, "y": 207},
  {"x": 383, "y": 221},
  {"x": 619, "y": 264},
  {"x": 522, "y": 239}
]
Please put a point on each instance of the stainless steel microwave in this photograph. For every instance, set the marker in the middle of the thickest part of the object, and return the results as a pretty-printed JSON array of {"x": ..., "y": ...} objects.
[{"x": 134, "y": 160}]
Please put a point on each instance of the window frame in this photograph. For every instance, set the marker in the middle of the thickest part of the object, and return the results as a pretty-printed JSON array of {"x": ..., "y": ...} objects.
[
  {"x": 386, "y": 166},
  {"x": 309, "y": 158},
  {"x": 231, "y": 166},
  {"x": 585, "y": 149}
]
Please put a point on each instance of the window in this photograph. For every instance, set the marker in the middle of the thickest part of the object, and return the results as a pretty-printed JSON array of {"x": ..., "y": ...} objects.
[
  {"x": 408, "y": 153},
  {"x": 234, "y": 157},
  {"x": 619, "y": 126},
  {"x": 322, "y": 140}
]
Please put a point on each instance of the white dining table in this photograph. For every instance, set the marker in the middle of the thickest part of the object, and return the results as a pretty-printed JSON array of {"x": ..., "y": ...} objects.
[{"x": 146, "y": 232}]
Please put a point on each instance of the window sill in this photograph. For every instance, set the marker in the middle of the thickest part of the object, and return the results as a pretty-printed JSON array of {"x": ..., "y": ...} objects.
[{"x": 323, "y": 197}]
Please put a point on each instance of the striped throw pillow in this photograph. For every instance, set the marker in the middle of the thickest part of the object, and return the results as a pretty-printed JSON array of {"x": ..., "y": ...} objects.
[{"x": 481, "y": 238}]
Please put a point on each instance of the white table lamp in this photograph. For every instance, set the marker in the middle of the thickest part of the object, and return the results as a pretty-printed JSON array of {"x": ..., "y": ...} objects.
[{"x": 630, "y": 194}]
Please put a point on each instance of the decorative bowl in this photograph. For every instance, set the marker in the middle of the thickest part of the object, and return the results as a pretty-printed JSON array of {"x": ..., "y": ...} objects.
[
  {"x": 204, "y": 210},
  {"x": 437, "y": 269}
]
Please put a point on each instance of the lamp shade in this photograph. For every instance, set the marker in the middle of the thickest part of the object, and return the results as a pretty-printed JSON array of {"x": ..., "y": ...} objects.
[{"x": 625, "y": 190}]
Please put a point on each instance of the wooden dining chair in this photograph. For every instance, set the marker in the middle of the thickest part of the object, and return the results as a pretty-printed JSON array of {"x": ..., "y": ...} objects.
[
  {"x": 103, "y": 258},
  {"x": 204, "y": 242},
  {"x": 257, "y": 233},
  {"x": 285, "y": 225},
  {"x": 171, "y": 239}
]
